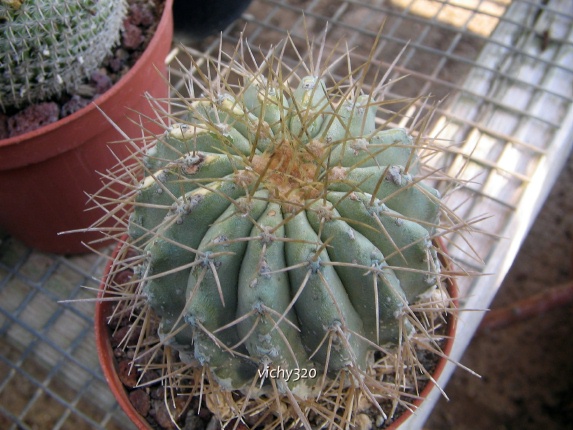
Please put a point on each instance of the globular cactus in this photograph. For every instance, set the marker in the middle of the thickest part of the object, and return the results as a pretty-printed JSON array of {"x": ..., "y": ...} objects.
[
  {"x": 50, "y": 46},
  {"x": 284, "y": 235}
]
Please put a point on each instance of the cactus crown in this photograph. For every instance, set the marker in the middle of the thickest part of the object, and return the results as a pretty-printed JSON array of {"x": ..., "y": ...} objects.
[
  {"x": 49, "y": 46},
  {"x": 285, "y": 226}
]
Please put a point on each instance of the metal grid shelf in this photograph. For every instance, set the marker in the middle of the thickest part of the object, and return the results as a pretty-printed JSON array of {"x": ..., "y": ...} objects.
[
  {"x": 505, "y": 71},
  {"x": 49, "y": 367}
]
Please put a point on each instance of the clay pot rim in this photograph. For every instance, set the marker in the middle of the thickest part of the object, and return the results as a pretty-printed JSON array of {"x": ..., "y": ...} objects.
[
  {"x": 446, "y": 350},
  {"x": 106, "y": 357},
  {"x": 108, "y": 360}
]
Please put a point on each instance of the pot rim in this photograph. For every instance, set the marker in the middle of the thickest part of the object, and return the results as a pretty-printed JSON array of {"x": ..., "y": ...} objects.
[
  {"x": 105, "y": 353},
  {"x": 108, "y": 360},
  {"x": 453, "y": 291}
]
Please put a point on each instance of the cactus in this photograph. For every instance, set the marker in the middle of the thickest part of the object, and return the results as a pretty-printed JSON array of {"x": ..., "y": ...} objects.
[
  {"x": 50, "y": 46},
  {"x": 284, "y": 238}
]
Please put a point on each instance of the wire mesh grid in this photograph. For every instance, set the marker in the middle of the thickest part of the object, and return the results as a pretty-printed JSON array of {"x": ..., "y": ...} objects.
[
  {"x": 501, "y": 75},
  {"x": 49, "y": 367}
]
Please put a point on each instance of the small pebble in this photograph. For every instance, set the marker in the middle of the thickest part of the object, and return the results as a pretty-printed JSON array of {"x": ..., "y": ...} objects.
[
  {"x": 127, "y": 375},
  {"x": 32, "y": 118},
  {"x": 120, "y": 335},
  {"x": 140, "y": 401},
  {"x": 161, "y": 415},
  {"x": 214, "y": 424},
  {"x": 157, "y": 392},
  {"x": 141, "y": 15},
  {"x": 363, "y": 422},
  {"x": 149, "y": 376},
  {"x": 123, "y": 277},
  {"x": 204, "y": 413},
  {"x": 73, "y": 105},
  {"x": 132, "y": 36},
  {"x": 118, "y": 353},
  {"x": 101, "y": 81},
  {"x": 119, "y": 60},
  {"x": 193, "y": 422}
]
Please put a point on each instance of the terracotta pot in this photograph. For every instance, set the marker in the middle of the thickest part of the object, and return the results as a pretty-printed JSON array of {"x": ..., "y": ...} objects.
[
  {"x": 446, "y": 349},
  {"x": 46, "y": 173},
  {"x": 108, "y": 361}
]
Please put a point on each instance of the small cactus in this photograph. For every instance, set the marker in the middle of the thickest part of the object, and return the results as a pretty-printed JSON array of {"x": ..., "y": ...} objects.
[
  {"x": 49, "y": 46},
  {"x": 284, "y": 230}
]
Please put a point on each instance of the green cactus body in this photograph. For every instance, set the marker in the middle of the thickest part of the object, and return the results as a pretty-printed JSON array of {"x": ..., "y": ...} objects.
[
  {"x": 266, "y": 296},
  {"x": 282, "y": 229},
  {"x": 172, "y": 250},
  {"x": 50, "y": 46},
  {"x": 378, "y": 298}
]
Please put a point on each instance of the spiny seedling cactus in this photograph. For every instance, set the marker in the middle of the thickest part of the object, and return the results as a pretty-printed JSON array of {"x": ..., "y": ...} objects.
[
  {"x": 50, "y": 46},
  {"x": 285, "y": 239}
]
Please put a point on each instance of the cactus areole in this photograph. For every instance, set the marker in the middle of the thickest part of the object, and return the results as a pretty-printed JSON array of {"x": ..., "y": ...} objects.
[{"x": 283, "y": 232}]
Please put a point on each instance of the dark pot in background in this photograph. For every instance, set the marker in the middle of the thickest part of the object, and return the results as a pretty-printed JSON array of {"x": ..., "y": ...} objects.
[{"x": 199, "y": 18}]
